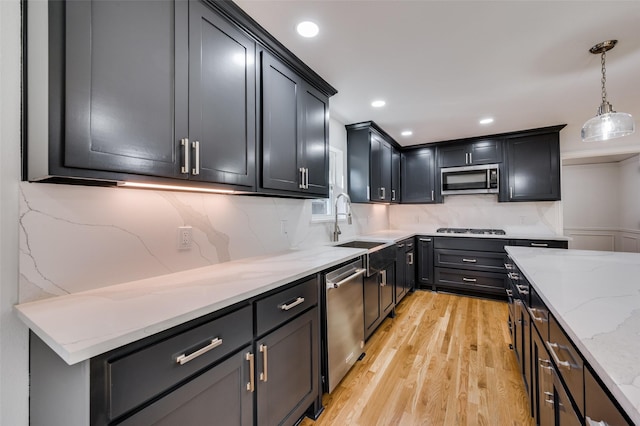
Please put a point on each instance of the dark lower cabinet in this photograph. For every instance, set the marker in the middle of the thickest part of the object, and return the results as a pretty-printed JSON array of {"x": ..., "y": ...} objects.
[
  {"x": 220, "y": 394},
  {"x": 287, "y": 363},
  {"x": 405, "y": 268},
  {"x": 600, "y": 407},
  {"x": 379, "y": 300},
  {"x": 425, "y": 262}
]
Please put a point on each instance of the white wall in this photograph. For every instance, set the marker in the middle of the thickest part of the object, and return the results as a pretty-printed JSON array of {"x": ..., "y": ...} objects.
[
  {"x": 602, "y": 205},
  {"x": 13, "y": 335}
]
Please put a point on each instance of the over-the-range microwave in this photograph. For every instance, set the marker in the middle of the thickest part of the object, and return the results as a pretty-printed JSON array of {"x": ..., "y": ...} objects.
[{"x": 481, "y": 179}]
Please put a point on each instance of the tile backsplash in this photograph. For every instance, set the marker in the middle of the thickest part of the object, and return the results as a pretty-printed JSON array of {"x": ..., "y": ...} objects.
[{"x": 75, "y": 238}]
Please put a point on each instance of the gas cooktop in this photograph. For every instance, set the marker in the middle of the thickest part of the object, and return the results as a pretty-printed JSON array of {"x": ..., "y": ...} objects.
[{"x": 480, "y": 231}]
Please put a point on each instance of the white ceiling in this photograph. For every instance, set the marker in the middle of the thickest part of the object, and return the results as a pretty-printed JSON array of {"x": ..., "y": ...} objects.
[{"x": 443, "y": 65}]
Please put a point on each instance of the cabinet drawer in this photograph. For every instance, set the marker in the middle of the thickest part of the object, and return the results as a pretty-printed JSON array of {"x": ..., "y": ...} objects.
[
  {"x": 568, "y": 361},
  {"x": 541, "y": 243},
  {"x": 136, "y": 378},
  {"x": 286, "y": 304},
  {"x": 472, "y": 244},
  {"x": 539, "y": 313},
  {"x": 485, "y": 282},
  {"x": 475, "y": 260},
  {"x": 599, "y": 407}
]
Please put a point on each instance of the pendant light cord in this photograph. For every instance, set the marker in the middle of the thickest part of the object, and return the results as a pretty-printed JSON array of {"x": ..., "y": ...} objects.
[{"x": 604, "y": 77}]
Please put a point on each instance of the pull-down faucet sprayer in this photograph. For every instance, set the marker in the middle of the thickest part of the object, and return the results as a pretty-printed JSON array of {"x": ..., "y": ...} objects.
[{"x": 336, "y": 228}]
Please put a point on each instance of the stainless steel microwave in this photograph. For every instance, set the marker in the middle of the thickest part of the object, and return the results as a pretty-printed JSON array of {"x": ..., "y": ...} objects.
[{"x": 482, "y": 179}]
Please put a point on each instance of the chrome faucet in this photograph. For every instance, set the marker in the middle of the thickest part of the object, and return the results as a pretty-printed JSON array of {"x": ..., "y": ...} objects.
[{"x": 336, "y": 228}]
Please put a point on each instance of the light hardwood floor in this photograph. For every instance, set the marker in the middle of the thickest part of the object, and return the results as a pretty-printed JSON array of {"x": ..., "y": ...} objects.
[{"x": 443, "y": 360}]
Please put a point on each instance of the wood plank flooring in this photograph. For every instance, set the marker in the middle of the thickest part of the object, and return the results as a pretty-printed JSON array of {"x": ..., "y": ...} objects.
[{"x": 444, "y": 360}]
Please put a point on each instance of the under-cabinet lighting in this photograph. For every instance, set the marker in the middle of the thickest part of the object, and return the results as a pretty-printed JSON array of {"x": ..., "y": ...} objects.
[{"x": 142, "y": 185}]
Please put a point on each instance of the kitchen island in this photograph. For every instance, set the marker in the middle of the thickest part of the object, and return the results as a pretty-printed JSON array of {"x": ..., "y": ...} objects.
[{"x": 595, "y": 297}]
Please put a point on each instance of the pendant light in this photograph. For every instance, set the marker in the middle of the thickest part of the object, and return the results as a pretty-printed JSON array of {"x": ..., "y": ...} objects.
[{"x": 607, "y": 124}]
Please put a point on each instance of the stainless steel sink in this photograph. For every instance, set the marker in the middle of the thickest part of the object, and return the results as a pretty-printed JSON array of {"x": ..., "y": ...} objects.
[{"x": 361, "y": 244}]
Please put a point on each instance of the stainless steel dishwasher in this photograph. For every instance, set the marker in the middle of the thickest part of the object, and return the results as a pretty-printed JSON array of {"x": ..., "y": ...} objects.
[{"x": 344, "y": 321}]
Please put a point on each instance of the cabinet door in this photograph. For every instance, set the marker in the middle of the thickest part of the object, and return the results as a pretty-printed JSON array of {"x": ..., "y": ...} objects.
[
  {"x": 372, "y": 312},
  {"x": 281, "y": 153},
  {"x": 541, "y": 382},
  {"x": 401, "y": 270},
  {"x": 126, "y": 86},
  {"x": 485, "y": 152},
  {"x": 410, "y": 273},
  {"x": 221, "y": 394},
  {"x": 387, "y": 289},
  {"x": 453, "y": 155},
  {"x": 533, "y": 168},
  {"x": 377, "y": 182},
  {"x": 600, "y": 408},
  {"x": 315, "y": 140},
  {"x": 425, "y": 262},
  {"x": 287, "y": 368},
  {"x": 222, "y": 99},
  {"x": 418, "y": 176},
  {"x": 395, "y": 176}
]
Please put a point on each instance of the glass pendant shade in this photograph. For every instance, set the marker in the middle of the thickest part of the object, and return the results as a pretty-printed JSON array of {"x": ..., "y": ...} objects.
[{"x": 607, "y": 126}]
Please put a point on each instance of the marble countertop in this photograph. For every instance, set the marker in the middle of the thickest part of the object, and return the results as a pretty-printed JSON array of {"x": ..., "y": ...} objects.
[
  {"x": 595, "y": 296},
  {"x": 82, "y": 325}
]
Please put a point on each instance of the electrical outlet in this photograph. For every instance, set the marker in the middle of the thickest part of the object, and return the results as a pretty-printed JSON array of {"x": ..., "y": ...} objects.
[
  {"x": 185, "y": 237},
  {"x": 283, "y": 227}
]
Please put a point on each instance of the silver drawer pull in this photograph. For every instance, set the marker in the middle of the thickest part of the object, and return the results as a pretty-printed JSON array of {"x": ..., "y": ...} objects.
[
  {"x": 539, "y": 245},
  {"x": 400, "y": 245},
  {"x": 293, "y": 304},
  {"x": 552, "y": 348},
  {"x": 469, "y": 280},
  {"x": 533, "y": 311},
  {"x": 522, "y": 289},
  {"x": 590, "y": 422},
  {"x": 184, "y": 358},
  {"x": 196, "y": 169},
  {"x": 426, "y": 240},
  {"x": 410, "y": 258},
  {"x": 331, "y": 284},
  {"x": 514, "y": 276},
  {"x": 301, "y": 185},
  {"x": 263, "y": 375},
  {"x": 546, "y": 366},
  {"x": 469, "y": 260},
  {"x": 508, "y": 266},
  {"x": 251, "y": 385},
  {"x": 185, "y": 151},
  {"x": 509, "y": 293},
  {"x": 548, "y": 398}
]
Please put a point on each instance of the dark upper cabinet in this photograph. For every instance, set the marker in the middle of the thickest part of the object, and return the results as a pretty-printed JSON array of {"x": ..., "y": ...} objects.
[
  {"x": 481, "y": 151},
  {"x": 395, "y": 175},
  {"x": 294, "y": 132},
  {"x": 124, "y": 83},
  {"x": 373, "y": 177},
  {"x": 418, "y": 176},
  {"x": 222, "y": 99},
  {"x": 533, "y": 168}
]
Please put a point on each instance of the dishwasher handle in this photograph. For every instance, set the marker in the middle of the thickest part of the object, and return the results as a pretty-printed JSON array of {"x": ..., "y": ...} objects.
[{"x": 357, "y": 273}]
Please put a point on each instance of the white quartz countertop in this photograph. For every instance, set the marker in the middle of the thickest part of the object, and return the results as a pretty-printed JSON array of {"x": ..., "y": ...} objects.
[
  {"x": 595, "y": 297},
  {"x": 82, "y": 325}
]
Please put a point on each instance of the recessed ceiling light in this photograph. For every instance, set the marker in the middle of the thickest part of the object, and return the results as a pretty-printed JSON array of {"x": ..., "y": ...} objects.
[
  {"x": 406, "y": 133},
  {"x": 378, "y": 104},
  {"x": 308, "y": 29},
  {"x": 486, "y": 121}
]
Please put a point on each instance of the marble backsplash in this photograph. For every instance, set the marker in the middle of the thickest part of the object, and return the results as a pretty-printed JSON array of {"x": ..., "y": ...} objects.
[
  {"x": 75, "y": 238},
  {"x": 480, "y": 211}
]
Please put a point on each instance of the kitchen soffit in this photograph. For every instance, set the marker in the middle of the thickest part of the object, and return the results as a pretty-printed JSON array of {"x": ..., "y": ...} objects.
[{"x": 443, "y": 65}]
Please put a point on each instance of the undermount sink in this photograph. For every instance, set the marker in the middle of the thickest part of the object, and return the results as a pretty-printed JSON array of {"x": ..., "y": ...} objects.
[{"x": 361, "y": 244}]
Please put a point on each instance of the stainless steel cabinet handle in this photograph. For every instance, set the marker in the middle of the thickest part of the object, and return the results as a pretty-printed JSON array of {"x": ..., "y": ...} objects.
[
  {"x": 293, "y": 304},
  {"x": 469, "y": 280},
  {"x": 301, "y": 170},
  {"x": 552, "y": 348},
  {"x": 306, "y": 180},
  {"x": 469, "y": 260},
  {"x": 184, "y": 358},
  {"x": 263, "y": 351},
  {"x": 383, "y": 276},
  {"x": 546, "y": 366},
  {"x": 393, "y": 195},
  {"x": 426, "y": 240},
  {"x": 357, "y": 273},
  {"x": 522, "y": 289},
  {"x": 185, "y": 152},
  {"x": 432, "y": 195},
  {"x": 251, "y": 385},
  {"x": 509, "y": 293},
  {"x": 410, "y": 258},
  {"x": 508, "y": 266},
  {"x": 514, "y": 276},
  {"x": 470, "y": 157},
  {"x": 539, "y": 245},
  {"x": 466, "y": 158},
  {"x": 400, "y": 245},
  {"x": 383, "y": 192},
  {"x": 511, "y": 192},
  {"x": 591, "y": 422},
  {"x": 532, "y": 312},
  {"x": 196, "y": 169},
  {"x": 548, "y": 398}
]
